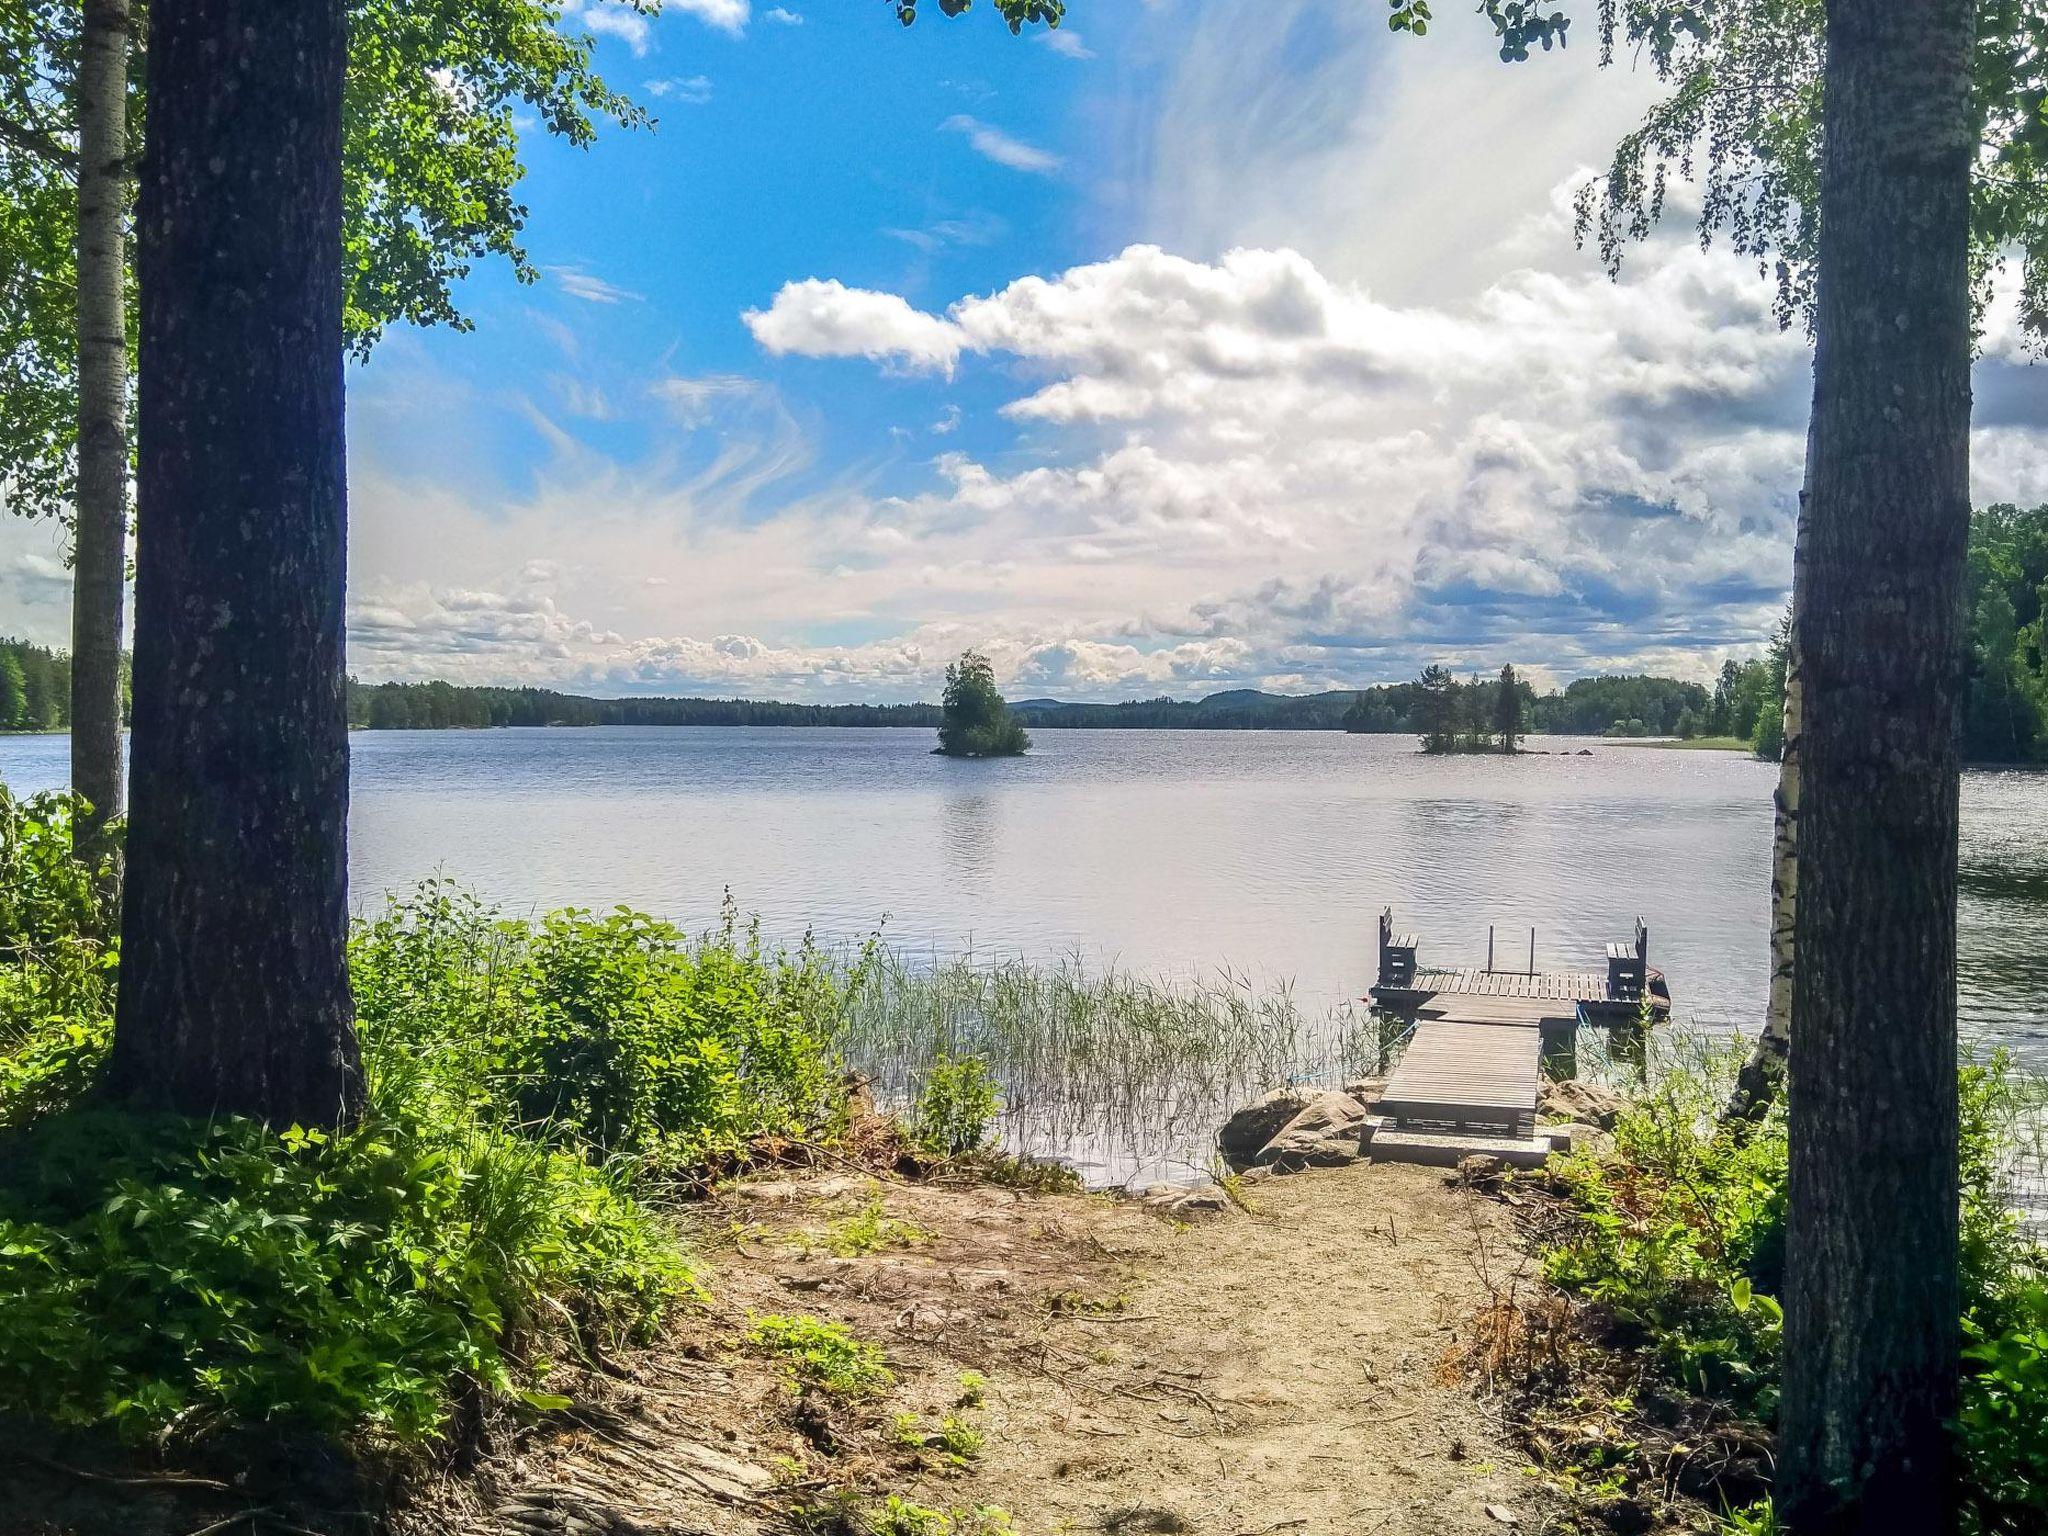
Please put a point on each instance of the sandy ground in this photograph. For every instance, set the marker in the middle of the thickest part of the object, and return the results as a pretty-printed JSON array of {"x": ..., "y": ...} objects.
[
  {"x": 1291, "y": 1368},
  {"x": 1287, "y": 1369}
]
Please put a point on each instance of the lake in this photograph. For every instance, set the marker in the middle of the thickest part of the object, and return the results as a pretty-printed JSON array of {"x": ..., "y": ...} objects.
[{"x": 1173, "y": 853}]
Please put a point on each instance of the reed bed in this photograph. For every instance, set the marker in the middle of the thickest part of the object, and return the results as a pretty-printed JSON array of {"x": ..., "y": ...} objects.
[{"x": 1124, "y": 1076}]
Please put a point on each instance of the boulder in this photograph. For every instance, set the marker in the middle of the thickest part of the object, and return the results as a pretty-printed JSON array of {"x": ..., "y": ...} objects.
[
  {"x": 1324, "y": 1134},
  {"x": 1586, "y": 1103},
  {"x": 1367, "y": 1090},
  {"x": 1250, "y": 1128}
]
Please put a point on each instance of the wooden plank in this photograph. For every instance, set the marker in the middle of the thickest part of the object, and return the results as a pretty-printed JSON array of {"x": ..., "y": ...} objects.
[{"x": 1466, "y": 1072}]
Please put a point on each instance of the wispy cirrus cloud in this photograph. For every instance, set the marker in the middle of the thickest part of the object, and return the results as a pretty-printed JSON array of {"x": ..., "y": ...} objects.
[
  {"x": 992, "y": 143},
  {"x": 588, "y": 286},
  {"x": 693, "y": 90}
]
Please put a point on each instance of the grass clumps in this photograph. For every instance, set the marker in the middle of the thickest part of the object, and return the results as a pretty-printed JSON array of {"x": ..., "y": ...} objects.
[
  {"x": 821, "y": 1355},
  {"x": 897, "y": 1516},
  {"x": 952, "y": 1442},
  {"x": 871, "y": 1230}
]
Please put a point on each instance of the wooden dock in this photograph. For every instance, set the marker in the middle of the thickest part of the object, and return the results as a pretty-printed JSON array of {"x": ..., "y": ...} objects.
[{"x": 1470, "y": 1077}]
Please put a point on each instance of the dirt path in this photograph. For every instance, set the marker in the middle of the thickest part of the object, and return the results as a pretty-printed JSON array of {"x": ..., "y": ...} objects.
[{"x": 1283, "y": 1370}]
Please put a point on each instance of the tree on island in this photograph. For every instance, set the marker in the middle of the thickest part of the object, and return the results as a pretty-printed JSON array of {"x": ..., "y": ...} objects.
[
  {"x": 1507, "y": 711},
  {"x": 976, "y": 722},
  {"x": 1436, "y": 710}
]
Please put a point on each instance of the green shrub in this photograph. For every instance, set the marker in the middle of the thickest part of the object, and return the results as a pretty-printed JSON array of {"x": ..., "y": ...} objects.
[
  {"x": 160, "y": 1272},
  {"x": 956, "y": 1109},
  {"x": 1681, "y": 1238},
  {"x": 615, "y": 1032},
  {"x": 59, "y": 951}
]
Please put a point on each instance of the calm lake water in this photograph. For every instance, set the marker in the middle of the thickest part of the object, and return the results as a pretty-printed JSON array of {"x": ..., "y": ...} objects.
[{"x": 1173, "y": 853}]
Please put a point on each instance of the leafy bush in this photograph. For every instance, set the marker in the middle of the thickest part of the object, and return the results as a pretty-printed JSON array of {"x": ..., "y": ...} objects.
[
  {"x": 165, "y": 1272},
  {"x": 59, "y": 950},
  {"x": 159, "y": 1273},
  {"x": 1680, "y": 1237},
  {"x": 617, "y": 1033},
  {"x": 957, "y": 1108}
]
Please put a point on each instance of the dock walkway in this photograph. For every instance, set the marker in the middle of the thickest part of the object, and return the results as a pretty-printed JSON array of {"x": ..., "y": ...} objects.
[{"x": 1470, "y": 1077}]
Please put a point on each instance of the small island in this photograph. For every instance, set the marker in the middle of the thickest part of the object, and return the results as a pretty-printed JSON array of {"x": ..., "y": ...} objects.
[
  {"x": 973, "y": 719},
  {"x": 1479, "y": 716}
]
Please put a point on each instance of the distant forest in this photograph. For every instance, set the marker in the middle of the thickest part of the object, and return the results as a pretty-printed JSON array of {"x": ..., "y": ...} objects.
[
  {"x": 1591, "y": 706},
  {"x": 35, "y": 687}
]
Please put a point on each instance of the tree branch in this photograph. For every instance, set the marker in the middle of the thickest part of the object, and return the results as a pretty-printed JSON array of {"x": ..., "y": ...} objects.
[{"x": 44, "y": 146}]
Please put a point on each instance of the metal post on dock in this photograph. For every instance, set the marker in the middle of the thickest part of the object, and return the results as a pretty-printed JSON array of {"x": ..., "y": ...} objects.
[
  {"x": 1489, "y": 949},
  {"x": 1532, "y": 951}
]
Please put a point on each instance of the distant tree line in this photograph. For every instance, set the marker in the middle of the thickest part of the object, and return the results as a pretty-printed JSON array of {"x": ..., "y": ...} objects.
[
  {"x": 444, "y": 706},
  {"x": 35, "y": 687}
]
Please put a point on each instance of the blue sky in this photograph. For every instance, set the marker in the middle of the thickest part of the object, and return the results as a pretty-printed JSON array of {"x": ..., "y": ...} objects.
[{"x": 1207, "y": 343}]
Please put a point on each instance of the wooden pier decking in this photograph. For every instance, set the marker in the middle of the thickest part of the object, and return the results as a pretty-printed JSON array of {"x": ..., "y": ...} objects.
[{"x": 1471, "y": 1074}]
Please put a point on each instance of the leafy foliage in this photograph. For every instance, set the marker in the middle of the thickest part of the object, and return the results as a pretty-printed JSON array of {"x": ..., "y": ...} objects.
[
  {"x": 1742, "y": 119},
  {"x": 161, "y": 1274},
  {"x": 1017, "y": 14},
  {"x": 431, "y": 161},
  {"x": 974, "y": 721},
  {"x": 59, "y": 950},
  {"x": 166, "y": 1275},
  {"x": 614, "y": 1033},
  {"x": 1680, "y": 1235},
  {"x": 957, "y": 1107}
]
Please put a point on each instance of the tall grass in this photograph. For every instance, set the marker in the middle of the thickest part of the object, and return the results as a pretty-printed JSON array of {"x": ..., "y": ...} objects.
[{"x": 1117, "y": 1073}]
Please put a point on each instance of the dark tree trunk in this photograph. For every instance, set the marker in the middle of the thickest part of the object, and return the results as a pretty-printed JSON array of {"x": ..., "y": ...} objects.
[
  {"x": 1870, "y": 1363},
  {"x": 234, "y": 992},
  {"x": 102, "y": 523}
]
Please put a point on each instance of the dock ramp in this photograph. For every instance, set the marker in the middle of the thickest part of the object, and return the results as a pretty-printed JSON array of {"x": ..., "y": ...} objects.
[{"x": 1468, "y": 1081}]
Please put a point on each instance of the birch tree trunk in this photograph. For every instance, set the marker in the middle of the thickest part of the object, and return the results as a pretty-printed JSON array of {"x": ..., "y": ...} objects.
[
  {"x": 1762, "y": 1076},
  {"x": 1871, "y": 1294},
  {"x": 101, "y": 533},
  {"x": 234, "y": 992}
]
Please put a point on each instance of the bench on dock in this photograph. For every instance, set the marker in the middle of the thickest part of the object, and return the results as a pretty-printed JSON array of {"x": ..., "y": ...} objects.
[
  {"x": 1628, "y": 966},
  {"x": 1397, "y": 952}
]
